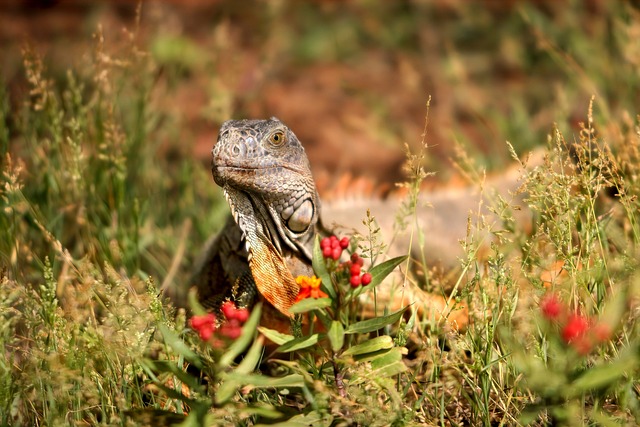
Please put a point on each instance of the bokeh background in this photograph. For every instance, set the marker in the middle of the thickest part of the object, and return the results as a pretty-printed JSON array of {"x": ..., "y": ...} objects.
[{"x": 353, "y": 78}]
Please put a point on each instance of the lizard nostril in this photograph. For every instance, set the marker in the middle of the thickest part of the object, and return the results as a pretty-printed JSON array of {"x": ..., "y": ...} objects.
[{"x": 235, "y": 150}]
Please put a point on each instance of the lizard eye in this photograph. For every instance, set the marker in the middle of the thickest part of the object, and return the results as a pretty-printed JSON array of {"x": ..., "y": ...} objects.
[{"x": 277, "y": 138}]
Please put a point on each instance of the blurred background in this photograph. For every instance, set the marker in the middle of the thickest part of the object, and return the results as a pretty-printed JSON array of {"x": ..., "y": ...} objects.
[{"x": 352, "y": 78}]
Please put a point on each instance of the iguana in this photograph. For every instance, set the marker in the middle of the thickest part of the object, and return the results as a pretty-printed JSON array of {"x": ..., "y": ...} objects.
[{"x": 266, "y": 178}]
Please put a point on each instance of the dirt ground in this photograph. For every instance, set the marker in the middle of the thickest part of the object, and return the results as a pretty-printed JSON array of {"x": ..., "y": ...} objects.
[{"x": 352, "y": 79}]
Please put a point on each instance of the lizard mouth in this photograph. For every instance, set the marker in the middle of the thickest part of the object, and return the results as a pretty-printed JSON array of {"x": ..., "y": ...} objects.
[
  {"x": 225, "y": 173},
  {"x": 254, "y": 168}
]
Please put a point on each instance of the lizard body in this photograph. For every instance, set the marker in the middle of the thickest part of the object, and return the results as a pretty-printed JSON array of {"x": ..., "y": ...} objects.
[{"x": 266, "y": 178}]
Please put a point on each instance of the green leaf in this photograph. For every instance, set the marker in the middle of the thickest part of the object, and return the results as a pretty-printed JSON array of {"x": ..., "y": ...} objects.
[
  {"x": 263, "y": 411},
  {"x": 320, "y": 268},
  {"x": 173, "y": 341},
  {"x": 392, "y": 356},
  {"x": 298, "y": 343},
  {"x": 166, "y": 366},
  {"x": 227, "y": 389},
  {"x": 313, "y": 418},
  {"x": 389, "y": 370},
  {"x": 242, "y": 342},
  {"x": 309, "y": 304},
  {"x": 379, "y": 273},
  {"x": 252, "y": 358},
  {"x": 604, "y": 375},
  {"x": 194, "y": 304},
  {"x": 374, "y": 324},
  {"x": 275, "y": 336},
  {"x": 336, "y": 335},
  {"x": 262, "y": 381},
  {"x": 378, "y": 343}
]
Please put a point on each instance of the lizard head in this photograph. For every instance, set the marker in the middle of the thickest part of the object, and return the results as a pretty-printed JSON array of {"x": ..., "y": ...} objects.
[{"x": 264, "y": 161}]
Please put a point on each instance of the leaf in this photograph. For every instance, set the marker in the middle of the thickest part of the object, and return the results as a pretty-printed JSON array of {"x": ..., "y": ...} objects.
[
  {"x": 275, "y": 336},
  {"x": 383, "y": 342},
  {"x": 227, "y": 389},
  {"x": 310, "y": 304},
  {"x": 173, "y": 341},
  {"x": 263, "y": 411},
  {"x": 386, "y": 371},
  {"x": 194, "y": 304},
  {"x": 604, "y": 375},
  {"x": 379, "y": 273},
  {"x": 336, "y": 335},
  {"x": 262, "y": 381},
  {"x": 313, "y": 418},
  {"x": 251, "y": 359},
  {"x": 242, "y": 342},
  {"x": 389, "y": 370},
  {"x": 392, "y": 356},
  {"x": 320, "y": 268},
  {"x": 374, "y": 324},
  {"x": 166, "y": 366},
  {"x": 298, "y": 343}
]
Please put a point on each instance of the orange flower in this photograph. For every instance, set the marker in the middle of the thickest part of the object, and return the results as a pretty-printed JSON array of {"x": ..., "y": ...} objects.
[{"x": 309, "y": 288}]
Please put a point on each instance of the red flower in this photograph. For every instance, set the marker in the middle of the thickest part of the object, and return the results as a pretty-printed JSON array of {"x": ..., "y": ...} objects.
[
  {"x": 551, "y": 306},
  {"x": 205, "y": 325},
  {"x": 575, "y": 328},
  {"x": 309, "y": 288}
]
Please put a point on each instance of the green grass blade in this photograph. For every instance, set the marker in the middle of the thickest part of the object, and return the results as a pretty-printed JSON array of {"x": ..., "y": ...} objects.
[{"x": 243, "y": 341}]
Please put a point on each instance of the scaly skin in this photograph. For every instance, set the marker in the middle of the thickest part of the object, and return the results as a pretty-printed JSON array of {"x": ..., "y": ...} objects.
[{"x": 265, "y": 175}]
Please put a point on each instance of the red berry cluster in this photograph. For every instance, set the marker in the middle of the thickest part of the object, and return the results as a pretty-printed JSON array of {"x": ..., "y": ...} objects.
[
  {"x": 205, "y": 325},
  {"x": 355, "y": 267},
  {"x": 236, "y": 317},
  {"x": 576, "y": 330},
  {"x": 332, "y": 248}
]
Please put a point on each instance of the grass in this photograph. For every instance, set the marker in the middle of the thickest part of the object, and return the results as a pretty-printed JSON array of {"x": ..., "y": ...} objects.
[{"x": 103, "y": 211}]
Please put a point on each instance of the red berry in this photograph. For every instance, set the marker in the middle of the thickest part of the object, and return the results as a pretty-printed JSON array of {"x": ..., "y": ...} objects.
[
  {"x": 344, "y": 242},
  {"x": 602, "y": 332},
  {"x": 356, "y": 259},
  {"x": 327, "y": 252},
  {"x": 228, "y": 309},
  {"x": 355, "y": 269},
  {"x": 325, "y": 242},
  {"x": 336, "y": 252},
  {"x": 204, "y": 325},
  {"x": 199, "y": 321},
  {"x": 366, "y": 279},
  {"x": 583, "y": 345},
  {"x": 242, "y": 314},
  {"x": 575, "y": 328},
  {"x": 333, "y": 239},
  {"x": 551, "y": 307},
  {"x": 355, "y": 281},
  {"x": 231, "y": 329}
]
